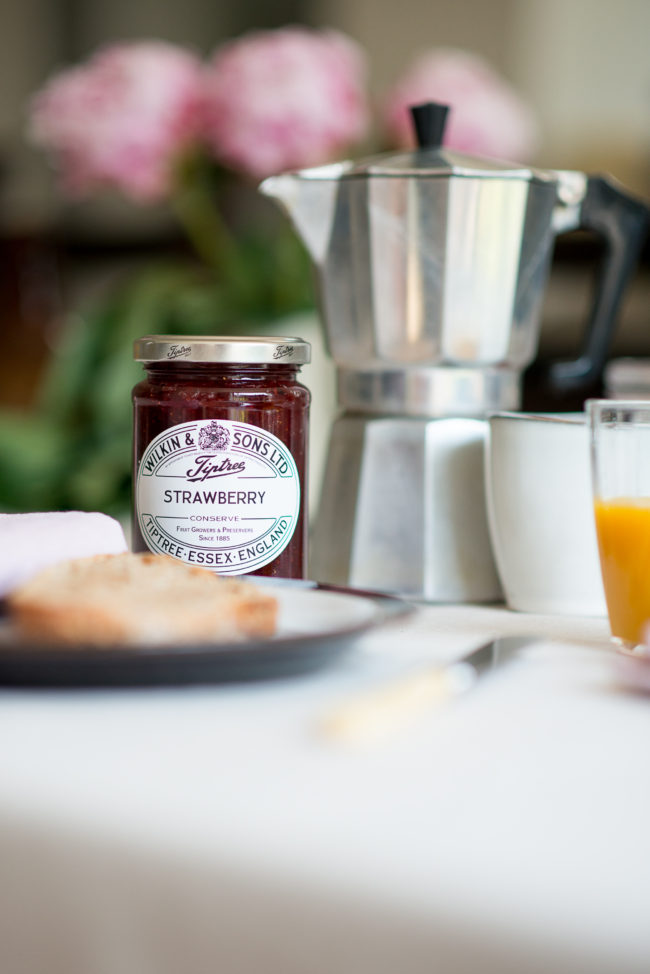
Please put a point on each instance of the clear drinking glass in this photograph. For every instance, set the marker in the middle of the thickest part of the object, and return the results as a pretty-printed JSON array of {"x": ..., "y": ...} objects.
[{"x": 620, "y": 457}]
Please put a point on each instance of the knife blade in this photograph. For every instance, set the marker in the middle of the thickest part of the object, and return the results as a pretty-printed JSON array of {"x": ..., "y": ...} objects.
[{"x": 377, "y": 712}]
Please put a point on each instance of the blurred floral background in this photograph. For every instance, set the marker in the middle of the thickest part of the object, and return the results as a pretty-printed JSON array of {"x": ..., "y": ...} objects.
[{"x": 172, "y": 137}]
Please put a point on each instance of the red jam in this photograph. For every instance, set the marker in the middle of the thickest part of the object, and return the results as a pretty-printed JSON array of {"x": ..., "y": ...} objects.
[{"x": 220, "y": 453}]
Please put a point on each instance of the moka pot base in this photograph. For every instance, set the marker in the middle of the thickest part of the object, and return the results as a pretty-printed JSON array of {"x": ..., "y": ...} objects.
[{"x": 402, "y": 509}]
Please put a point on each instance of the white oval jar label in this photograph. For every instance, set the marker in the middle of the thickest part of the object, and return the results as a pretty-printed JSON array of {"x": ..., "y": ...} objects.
[{"x": 217, "y": 493}]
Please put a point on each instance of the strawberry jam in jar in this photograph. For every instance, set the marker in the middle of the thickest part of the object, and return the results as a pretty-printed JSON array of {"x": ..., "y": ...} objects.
[{"x": 220, "y": 453}]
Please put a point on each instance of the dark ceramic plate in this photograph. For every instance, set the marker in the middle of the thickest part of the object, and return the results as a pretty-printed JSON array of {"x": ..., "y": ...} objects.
[{"x": 317, "y": 624}]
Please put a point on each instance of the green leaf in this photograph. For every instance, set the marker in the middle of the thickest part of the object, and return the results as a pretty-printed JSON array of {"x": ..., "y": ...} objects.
[{"x": 35, "y": 456}]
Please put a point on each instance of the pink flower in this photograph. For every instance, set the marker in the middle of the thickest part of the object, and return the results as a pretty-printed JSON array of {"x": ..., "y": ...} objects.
[
  {"x": 487, "y": 117},
  {"x": 285, "y": 99},
  {"x": 122, "y": 119}
]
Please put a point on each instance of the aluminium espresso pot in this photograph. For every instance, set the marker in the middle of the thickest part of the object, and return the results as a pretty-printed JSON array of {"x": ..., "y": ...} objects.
[{"x": 432, "y": 268}]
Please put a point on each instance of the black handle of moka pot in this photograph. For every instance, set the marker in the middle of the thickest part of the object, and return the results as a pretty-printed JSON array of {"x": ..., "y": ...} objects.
[{"x": 621, "y": 221}]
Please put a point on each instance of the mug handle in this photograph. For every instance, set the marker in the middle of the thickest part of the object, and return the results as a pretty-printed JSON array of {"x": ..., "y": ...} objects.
[{"x": 621, "y": 221}]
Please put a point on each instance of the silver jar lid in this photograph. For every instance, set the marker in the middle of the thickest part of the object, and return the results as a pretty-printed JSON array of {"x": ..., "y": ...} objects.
[{"x": 234, "y": 349}]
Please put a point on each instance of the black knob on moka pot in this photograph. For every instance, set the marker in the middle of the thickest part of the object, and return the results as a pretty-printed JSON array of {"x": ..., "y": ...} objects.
[{"x": 429, "y": 120}]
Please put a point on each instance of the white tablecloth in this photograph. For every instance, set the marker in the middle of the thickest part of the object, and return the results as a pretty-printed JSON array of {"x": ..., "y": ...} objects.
[{"x": 210, "y": 829}]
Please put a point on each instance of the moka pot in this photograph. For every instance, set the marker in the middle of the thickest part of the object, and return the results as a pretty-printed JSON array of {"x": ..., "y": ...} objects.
[{"x": 432, "y": 268}]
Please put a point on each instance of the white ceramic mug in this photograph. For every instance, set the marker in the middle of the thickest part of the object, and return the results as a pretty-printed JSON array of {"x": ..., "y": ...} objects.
[{"x": 540, "y": 513}]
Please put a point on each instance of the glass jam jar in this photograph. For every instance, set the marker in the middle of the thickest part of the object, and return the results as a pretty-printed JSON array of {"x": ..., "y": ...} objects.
[{"x": 220, "y": 453}]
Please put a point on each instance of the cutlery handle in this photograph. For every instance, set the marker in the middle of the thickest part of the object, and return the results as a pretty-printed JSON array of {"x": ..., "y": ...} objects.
[{"x": 376, "y": 713}]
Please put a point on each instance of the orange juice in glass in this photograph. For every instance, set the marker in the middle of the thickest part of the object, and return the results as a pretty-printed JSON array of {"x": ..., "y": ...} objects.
[{"x": 620, "y": 454}]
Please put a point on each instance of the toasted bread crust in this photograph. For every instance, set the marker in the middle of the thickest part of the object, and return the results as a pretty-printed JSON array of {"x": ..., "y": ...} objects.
[{"x": 138, "y": 599}]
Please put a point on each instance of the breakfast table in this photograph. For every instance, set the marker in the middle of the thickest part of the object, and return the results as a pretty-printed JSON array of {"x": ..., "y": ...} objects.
[{"x": 218, "y": 827}]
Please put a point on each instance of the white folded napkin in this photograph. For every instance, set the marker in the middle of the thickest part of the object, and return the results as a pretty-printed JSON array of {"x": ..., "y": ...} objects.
[{"x": 29, "y": 542}]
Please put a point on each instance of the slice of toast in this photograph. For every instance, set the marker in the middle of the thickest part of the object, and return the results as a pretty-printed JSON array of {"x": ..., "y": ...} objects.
[{"x": 138, "y": 599}]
